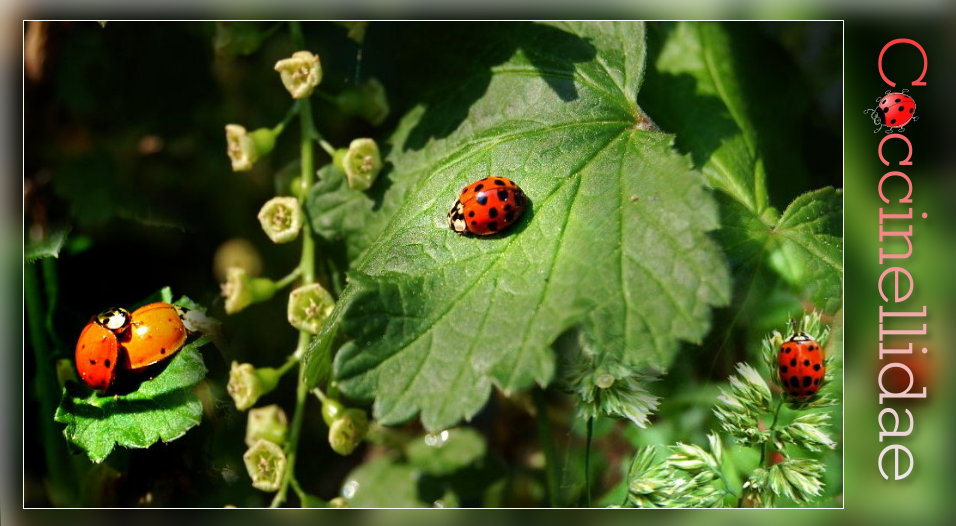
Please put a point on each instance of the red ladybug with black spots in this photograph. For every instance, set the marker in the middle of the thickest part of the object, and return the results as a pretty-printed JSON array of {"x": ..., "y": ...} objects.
[
  {"x": 487, "y": 206},
  {"x": 801, "y": 367},
  {"x": 894, "y": 110}
]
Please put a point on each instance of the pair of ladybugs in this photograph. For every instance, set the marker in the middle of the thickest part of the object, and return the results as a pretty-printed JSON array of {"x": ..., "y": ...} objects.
[
  {"x": 117, "y": 341},
  {"x": 801, "y": 366}
]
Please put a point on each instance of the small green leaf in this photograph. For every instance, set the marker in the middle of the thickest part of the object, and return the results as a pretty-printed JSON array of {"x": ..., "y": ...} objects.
[
  {"x": 339, "y": 212},
  {"x": 47, "y": 248},
  {"x": 162, "y": 408},
  {"x": 446, "y": 451},
  {"x": 383, "y": 483},
  {"x": 807, "y": 245},
  {"x": 615, "y": 241}
]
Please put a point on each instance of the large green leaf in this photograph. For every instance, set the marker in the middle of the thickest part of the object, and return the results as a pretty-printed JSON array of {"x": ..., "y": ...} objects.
[
  {"x": 162, "y": 408},
  {"x": 733, "y": 99},
  {"x": 615, "y": 242}
]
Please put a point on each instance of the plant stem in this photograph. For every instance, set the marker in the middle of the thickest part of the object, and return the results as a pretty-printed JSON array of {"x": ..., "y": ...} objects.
[
  {"x": 773, "y": 425},
  {"x": 62, "y": 482},
  {"x": 587, "y": 461},
  {"x": 307, "y": 271},
  {"x": 284, "y": 282},
  {"x": 551, "y": 473}
]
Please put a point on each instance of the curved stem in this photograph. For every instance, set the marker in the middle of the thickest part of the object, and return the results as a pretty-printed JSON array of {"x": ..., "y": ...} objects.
[{"x": 284, "y": 282}]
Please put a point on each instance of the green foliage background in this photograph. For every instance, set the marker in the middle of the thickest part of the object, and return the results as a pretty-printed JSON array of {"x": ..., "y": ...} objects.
[{"x": 634, "y": 236}]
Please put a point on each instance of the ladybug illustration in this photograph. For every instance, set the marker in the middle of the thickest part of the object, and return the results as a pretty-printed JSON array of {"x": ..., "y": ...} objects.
[
  {"x": 117, "y": 340},
  {"x": 801, "y": 366},
  {"x": 487, "y": 206},
  {"x": 894, "y": 110}
]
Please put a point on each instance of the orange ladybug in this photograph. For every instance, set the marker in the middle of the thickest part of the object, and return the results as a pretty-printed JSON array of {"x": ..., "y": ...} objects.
[
  {"x": 117, "y": 340},
  {"x": 155, "y": 333},
  {"x": 97, "y": 349}
]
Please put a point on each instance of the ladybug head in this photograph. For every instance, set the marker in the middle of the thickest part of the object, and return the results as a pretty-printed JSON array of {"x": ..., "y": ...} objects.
[
  {"x": 115, "y": 319},
  {"x": 801, "y": 337}
]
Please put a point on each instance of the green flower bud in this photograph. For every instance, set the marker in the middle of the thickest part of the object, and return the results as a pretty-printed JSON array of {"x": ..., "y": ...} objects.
[
  {"x": 331, "y": 409},
  {"x": 338, "y": 502},
  {"x": 309, "y": 306},
  {"x": 348, "y": 431},
  {"x": 367, "y": 101},
  {"x": 300, "y": 73},
  {"x": 245, "y": 148},
  {"x": 266, "y": 423},
  {"x": 241, "y": 291},
  {"x": 356, "y": 30},
  {"x": 281, "y": 219},
  {"x": 247, "y": 384},
  {"x": 65, "y": 371},
  {"x": 361, "y": 163},
  {"x": 236, "y": 252},
  {"x": 266, "y": 464}
]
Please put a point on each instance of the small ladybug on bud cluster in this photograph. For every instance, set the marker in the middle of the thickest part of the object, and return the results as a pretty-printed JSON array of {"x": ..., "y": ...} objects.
[
  {"x": 801, "y": 367},
  {"x": 116, "y": 342},
  {"x": 487, "y": 206}
]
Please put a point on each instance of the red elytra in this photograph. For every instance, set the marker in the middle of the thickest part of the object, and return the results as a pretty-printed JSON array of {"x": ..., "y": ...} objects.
[
  {"x": 97, "y": 354},
  {"x": 896, "y": 109},
  {"x": 116, "y": 341},
  {"x": 801, "y": 367},
  {"x": 487, "y": 206}
]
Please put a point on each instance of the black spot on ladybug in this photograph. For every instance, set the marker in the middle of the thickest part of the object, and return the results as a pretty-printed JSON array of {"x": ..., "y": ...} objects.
[
  {"x": 107, "y": 363},
  {"x": 162, "y": 350},
  {"x": 479, "y": 187},
  {"x": 493, "y": 212},
  {"x": 92, "y": 362},
  {"x": 493, "y": 226},
  {"x": 507, "y": 206},
  {"x": 482, "y": 199},
  {"x": 519, "y": 198},
  {"x": 784, "y": 369},
  {"x": 503, "y": 195},
  {"x": 786, "y": 349},
  {"x": 816, "y": 381},
  {"x": 471, "y": 214},
  {"x": 816, "y": 367},
  {"x": 892, "y": 121},
  {"x": 911, "y": 110},
  {"x": 811, "y": 348},
  {"x": 806, "y": 362},
  {"x": 509, "y": 216},
  {"x": 499, "y": 182},
  {"x": 794, "y": 381},
  {"x": 793, "y": 362},
  {"x": 474, "y": 223},
  {"x": 806, "y": 381},
  {"x": 902, "y": 108},
  {"x": 884, "y": 110},
  {"x": 897, "y": 100}
]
